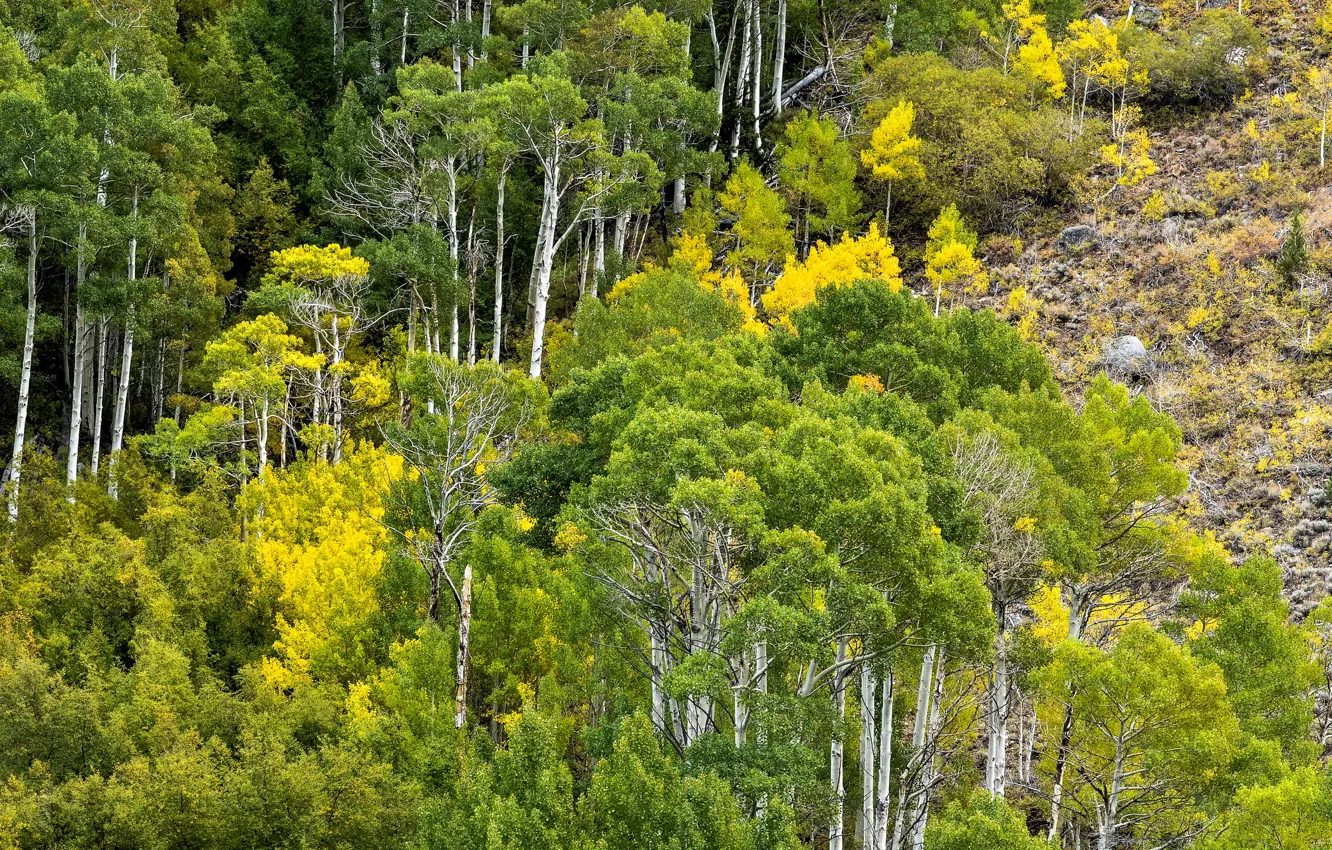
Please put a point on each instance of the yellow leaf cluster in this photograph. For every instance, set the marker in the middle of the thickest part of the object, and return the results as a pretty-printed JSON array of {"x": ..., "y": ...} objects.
[
  {"x": 865, "y": 383},
  {"x": 867, "y": 257},
  {"x": 1130, "y": 157},
  {"x": 311, "y": 263},
  {"x": 893, "y": 153},
  {"x": 319, "y": 543}
]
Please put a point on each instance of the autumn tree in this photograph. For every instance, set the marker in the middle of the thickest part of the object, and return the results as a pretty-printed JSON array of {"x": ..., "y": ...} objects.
[{"x": 893, "y": 154}]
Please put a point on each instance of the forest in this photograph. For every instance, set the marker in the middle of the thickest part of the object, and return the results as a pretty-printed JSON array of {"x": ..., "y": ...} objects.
[{"x": 700, "y": 425}]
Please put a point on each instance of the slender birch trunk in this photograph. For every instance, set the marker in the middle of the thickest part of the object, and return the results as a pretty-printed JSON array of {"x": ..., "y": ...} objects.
[
  {"x": 499, "y": 261},
  {"x": 122, "y": 401},
  {"x": 757, "y": 96},
  {"x": 837, "y": 756},
  {"x": 25, "y": 375},
  {"x": 545, "y": 262},
  {"x": 884, "y": 798},
  {"x": 99, "y": 397},
  {"x": 868, "y": 729},
  {"x": 779, "y": 57},
  {"x": 77, "y": 379},
  {"x": 126, "y": 359}
]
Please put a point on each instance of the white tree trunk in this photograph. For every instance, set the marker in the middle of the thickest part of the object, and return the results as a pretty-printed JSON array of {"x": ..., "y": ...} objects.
[
  {"x": 868, "y": 729},
  {"x": 122, "y": 401},
  {"x": 837, "y": 756},
  {"x": 999, "y": 707},
  {"x": 126, "y": 359},
  {"x": 545, "y": 261},
  {"x": 76, "y": 397},
  {"x": 757, "y": 96},
  {"x": 25, "y": 375},
  {"x": 99, "y": 397},
  {"x": 889, "y": 687},
  {"x": 779, "y": 57},
  {"x": 499, "y": 260}
]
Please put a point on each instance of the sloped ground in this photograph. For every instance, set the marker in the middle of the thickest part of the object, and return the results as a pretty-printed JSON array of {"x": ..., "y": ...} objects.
[{"x": 1185, "y": 262}]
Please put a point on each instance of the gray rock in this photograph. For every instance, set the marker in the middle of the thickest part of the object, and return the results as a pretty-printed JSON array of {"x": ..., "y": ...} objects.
[
  {"x": 1072, "y": 237},
  {"x": 1125, "y": 354},
  {"x": 1216, "y": 4},
  {"x": 1147, "y": 16}
]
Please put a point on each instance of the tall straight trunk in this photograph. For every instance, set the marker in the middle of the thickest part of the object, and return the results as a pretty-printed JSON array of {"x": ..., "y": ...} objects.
[
  {"x": 471, "y": 50},
  {"x": 463, "y": 663},
  {"x": 261, "y": 436},
  {"x": 454, "y": 334},
  {"x": 457, "y": 51},
  {"x": 77, "y": 379},
  {"x": 598, "y": 250},
  {"x": 485, "y": 25},
  {"x": 657, "y": 649},
  {"x": 1061, "y": 768},
  {"x": 76, "y": 399},
  {"x": 884, "y": 797},
  {"x": 339, "y": 28},
  {"x": 721, "y": 66},
  {"x": 868, "y": 729},
  {"x": 473, "y": 269},
  {"x": 927, "y": 772},
  {"x": 335, "y": 389},
  {"x": 499, "y": 262},
  {"x": 122, "y": 401},
  {"x": 741, "y": 89},
  {"x": 89, "y": 372},
  {"x": 837, "y": 756},
  {"x": 779, "y": 57},
  {"x": 923, "y": 698},
  {"x": 757, "y": 96},
  {"x": 376, "y": 38},
  {"x": 25, "y": 375},
  {"x": 406, "y": 22},
  {"x": 912, "y": 782},
  {"x": 159, "y": 380},
  {"x": 1110, "y": 817},
  {"x": 545, "y": 262},
  {"x": 996, "y": 768},
  {"x": 451, "y": 219},
  {"x": 99, "y": 397},
  {"x": 740, "y": 698},
  {"x": 180, "y": 375},
  {"x": 126, "y": 360}
]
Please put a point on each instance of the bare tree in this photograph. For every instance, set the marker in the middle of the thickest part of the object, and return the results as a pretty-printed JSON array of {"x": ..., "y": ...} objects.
[{"x": 481, "y": 412}]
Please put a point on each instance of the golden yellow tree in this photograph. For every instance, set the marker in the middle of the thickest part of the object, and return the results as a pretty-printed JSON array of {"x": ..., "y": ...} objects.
[
  {"x": 868, "y": 257},
  {"x": 950, "y": 261},
  {"x": 320, "y": 546},
  {"x": 893, "y": 153}
]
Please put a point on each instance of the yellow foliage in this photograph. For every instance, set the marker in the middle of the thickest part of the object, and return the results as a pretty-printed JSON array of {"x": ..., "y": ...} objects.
[
  {"x": 865, "y": 383},
  {"x": 867, "y": 257},
  {"x": 1051, "y": 614},
  {"x": 1154, "y": 209},
  {"x": 1130, "y": 158},
  {"x": 319, "y": 542},
  {"x": 1027, "y": 309},
  {"x": 310, "y": 263},
  {"x": 1038, "y": 62},
  {"x": 893, "y": 153},
  {"x": 954, "y": 265}
]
